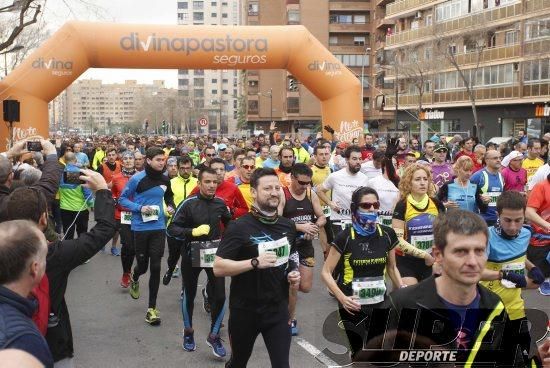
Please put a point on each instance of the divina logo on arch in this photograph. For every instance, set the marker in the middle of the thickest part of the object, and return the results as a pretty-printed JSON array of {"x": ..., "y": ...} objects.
[
  {"x": 189, "y": 45},
  {"x": 52, "y": 63}
]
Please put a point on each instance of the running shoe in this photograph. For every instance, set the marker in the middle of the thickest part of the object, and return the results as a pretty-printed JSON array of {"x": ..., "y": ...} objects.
[
  {"x": 294, "y": 327},
  {"x": 176, "y": 272},
  {"x": 152, "y": 317},
  {"x": 134, "y": 288},
  {"x": 205, "y": 303},
  {"x": 189, "y": 341},
  {"x": 544, "y": 288},
  {"x": 125, "y": 280},
  {"x": 215, "y": 343},
  {"x": 167, "y": 277},
  {"x": 115, "y": 251}
]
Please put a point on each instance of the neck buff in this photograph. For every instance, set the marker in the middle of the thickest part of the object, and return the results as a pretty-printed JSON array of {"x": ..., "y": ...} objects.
[
  {"x": 286, "y": 170},
  {"x": 262, "y": 217},
  {"x": 152, "y": 173},
  {"x": 364, "y": 222},
  {"x": 127, "y": 172},
  {"x": 423, "y": 203}
]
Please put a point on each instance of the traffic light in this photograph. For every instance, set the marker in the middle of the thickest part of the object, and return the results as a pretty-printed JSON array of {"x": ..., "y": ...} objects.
[{"x": 292, "y": 84}]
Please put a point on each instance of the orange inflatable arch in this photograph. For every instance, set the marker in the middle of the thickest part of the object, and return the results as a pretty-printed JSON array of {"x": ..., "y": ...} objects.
[{"x": 77, "y": 46}]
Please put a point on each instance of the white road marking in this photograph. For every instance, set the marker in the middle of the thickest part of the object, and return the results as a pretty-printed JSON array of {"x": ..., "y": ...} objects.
[{"x": 316, "y": 353}]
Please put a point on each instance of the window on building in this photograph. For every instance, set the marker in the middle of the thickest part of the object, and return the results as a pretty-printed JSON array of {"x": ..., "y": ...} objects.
[
  {"x": 199, "y": 71},
  {"x": 199, "y": 93},
  {"x": 359, "y": 19},
  {"x": 198, "y": 5},
  {"x": 183, "y": 16},
  {"x": 213, "y": 3},
  {"x": 253, "y": 107},
  {"x": 253, "y": 9},
  {"x": 198, "y": 103},
  {"x": 182, "y": 5},
  {"x": 293, "y": 17},
  {"x": 428, "y": 20},
  {"x": 198, "y": 17},
  {"x": 213, "y": 15},
  {"x": 537, "y": 28},
  {"x": 183, "y": 82},
  {"x": 214, "y": 91},
  {"x": 353, "y": 60},
  {"x": 225, "y": 92},
  {"x": 225, "y": 80},
  {"x": 450, "y": 10},
  {"x": 428, "y": 53},
  {"x": 535, "y": 71},
  {"x": 511, "y": 37},
  {"x": 198, "y": 82},
  {"x": 333, "y": 40},
  {"x": 224, "y": 15},
  {"x": 359, "y": 40},
  {"x": 293, "y": 105}
]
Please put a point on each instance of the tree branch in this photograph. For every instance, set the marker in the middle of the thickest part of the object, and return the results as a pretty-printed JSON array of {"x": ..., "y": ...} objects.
[{"x": 16, "y": 31}]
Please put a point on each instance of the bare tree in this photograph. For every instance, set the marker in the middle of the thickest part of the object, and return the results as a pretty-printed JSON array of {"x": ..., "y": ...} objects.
[
  {"x": 15, "y": 17},
  {"x": 473, "y": 43}
]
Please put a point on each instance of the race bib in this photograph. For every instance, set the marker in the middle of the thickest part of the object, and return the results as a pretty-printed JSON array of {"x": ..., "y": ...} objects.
[
  {"x": 518, "y": 268},
  {"x": 281, "y": 248},
  {"x": 203, "y": 253},
  {"x": 152, "y": 216},
  {"x": 494, "y": 196},
  {"x": 327, "y": 211},
  {"x": 369, "y": 290},
  {"x": 385, "y": 220},
  {"x": 126, "y": 218},
  {"x": 423, "y": 242}
]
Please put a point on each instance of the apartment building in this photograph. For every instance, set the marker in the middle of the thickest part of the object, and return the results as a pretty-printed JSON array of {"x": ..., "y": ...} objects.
[
  {"x": 344, "y": 27},
  {"x": 89, "y": 104},
  {"x": 212, "y": 93},
  {"x": 432, "y": 53}
]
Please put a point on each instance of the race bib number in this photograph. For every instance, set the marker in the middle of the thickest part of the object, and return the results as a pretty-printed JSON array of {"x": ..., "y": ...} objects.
[
  {"x": 369, "y": 290},
  {"x": 327, "y": 211},
  {"x": 125, "y": 217},
  {"x": 281, "y": 248},
  {"x": 385, "y": 220},
  {"x": 518, "y": 268},
  {"x": 203, "y": 253},
  {"x": 493, "y": 196},
  {"x": 423, "y": 242},
  {"x": 151, "y": 216}
]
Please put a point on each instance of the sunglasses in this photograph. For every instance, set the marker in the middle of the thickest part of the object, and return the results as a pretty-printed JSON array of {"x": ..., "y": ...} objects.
[
  {"x": 210, "y": 154},
  {"x": 303, "y": 182},
  {"x": 369, "y": 205},
  {"x": 248, "y": 167}
]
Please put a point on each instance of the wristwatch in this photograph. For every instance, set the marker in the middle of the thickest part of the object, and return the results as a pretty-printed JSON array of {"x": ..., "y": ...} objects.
[{"x": 254, "y": 262}]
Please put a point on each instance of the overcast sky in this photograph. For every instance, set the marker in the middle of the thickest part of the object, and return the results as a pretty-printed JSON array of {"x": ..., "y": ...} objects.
[{"x": 121, "y": 11}]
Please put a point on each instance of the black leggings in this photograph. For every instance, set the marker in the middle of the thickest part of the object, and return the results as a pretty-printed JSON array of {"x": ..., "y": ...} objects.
[
  {"x": 216, "y": 295},
  {"x": 149, "y": 247},
  {"x": 357, "y": 326},
  {"x": 174, "y": 251},
  {"x": 128, "y": 251},
  {"x": 246, "y": 325},
  {"x": 81, "y": 223}
]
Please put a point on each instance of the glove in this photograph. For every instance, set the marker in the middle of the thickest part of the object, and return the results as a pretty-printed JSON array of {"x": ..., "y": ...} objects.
[
  {"x": 200, "y": 230},
  {"x": 518, "y": 280},
  {"x": 392, "y": 148},
  {"x": 536, "y": 275}
]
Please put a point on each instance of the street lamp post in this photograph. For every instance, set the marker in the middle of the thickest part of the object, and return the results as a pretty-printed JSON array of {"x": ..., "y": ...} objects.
[
  {"x": 13, "y": 49},
  {"x": 367, "y": 52},
  {"x": 270, "y": 95}
]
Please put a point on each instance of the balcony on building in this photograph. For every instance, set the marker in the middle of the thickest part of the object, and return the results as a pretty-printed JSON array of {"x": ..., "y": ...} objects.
[
  {"x": 485, "y": 18},
  {"x": 405, "y": 8},
  {"x": 347, "y": 43},
  {"x": 349, "y": 5}
]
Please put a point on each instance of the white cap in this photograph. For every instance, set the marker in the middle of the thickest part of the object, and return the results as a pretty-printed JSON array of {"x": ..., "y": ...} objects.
[{"x": 511, "y": 156}]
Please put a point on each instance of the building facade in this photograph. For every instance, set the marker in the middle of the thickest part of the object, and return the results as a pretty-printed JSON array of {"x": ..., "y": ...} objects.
[
  {"x": 211, "y": 93},
  {"x": 438, "y": 56},
  {"x": 344, "y": 27},
  {"x": 91, "y": 106}
]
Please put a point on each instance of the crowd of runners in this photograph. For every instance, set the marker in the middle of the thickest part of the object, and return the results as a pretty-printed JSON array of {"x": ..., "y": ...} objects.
[{"x": 448, "y": 226}]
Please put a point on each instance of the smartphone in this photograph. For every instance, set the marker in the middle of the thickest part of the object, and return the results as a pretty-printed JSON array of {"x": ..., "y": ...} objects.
[
  {"x": 72, "y": 177},
  {"x": 34, "y": 146}
]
